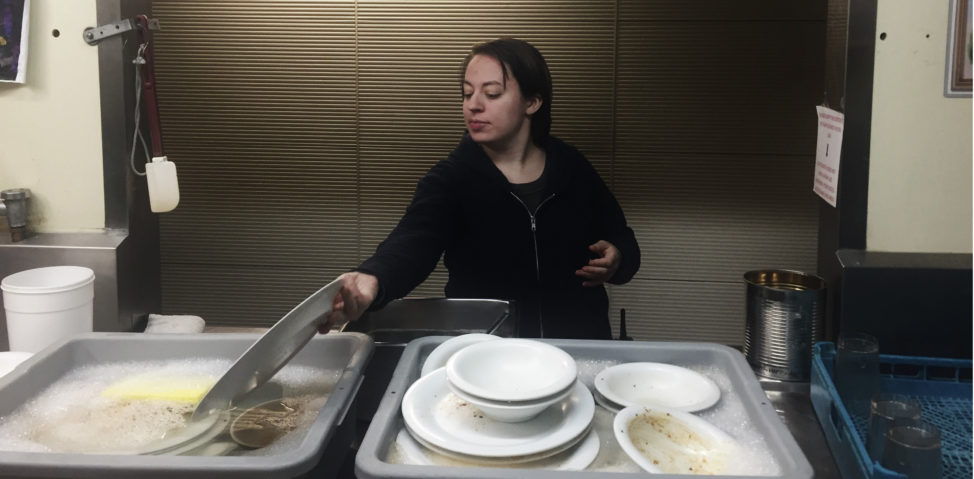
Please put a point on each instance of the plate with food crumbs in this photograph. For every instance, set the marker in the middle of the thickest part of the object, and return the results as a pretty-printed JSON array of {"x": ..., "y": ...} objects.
[
  {"x": 668, "y": 441},
  {"x": 575, "y": 457}
]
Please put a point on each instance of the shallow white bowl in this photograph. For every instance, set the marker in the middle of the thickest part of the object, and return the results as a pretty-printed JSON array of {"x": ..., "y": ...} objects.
[
  {"x": 657, "y": 384},
  {"x": 511, "y": 369},
  {"x": 505, "y": 411},
  {"x": 662, "y": 440}
]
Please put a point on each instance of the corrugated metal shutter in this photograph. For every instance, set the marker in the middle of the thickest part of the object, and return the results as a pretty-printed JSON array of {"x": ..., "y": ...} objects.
[
  {"x": 714, "y": 155},
  {"x": 301, "y": 128}
]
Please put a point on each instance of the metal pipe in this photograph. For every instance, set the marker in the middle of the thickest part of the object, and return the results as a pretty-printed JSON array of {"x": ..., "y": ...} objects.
[{"x": 13, "y": 205}]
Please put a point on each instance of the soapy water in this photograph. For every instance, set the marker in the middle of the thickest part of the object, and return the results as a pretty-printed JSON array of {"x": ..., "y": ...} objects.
[
  {"x": 753, "y": 458},
  {"x": 73, "y": 416}
]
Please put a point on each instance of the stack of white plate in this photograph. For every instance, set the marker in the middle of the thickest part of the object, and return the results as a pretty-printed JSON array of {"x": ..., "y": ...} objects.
[{"x": 502, "y": 402}]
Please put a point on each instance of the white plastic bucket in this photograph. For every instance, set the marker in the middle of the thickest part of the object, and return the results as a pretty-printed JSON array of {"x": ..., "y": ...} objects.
[{"x": 44, "y": 305}]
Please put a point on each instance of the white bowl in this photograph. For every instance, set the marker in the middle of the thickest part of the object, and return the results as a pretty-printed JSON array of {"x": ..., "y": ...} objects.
[
  {"x": 512, "y": 411},
  {"x": 657, "y": 384},
  {"x": 439, "y": 356},
  {"x": 511, "y": 369},
  {"x": 662, "y": 440}
]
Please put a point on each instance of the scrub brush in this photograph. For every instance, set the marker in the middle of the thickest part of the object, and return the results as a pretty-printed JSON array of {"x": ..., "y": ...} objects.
[{"x": 185, "y": 388}]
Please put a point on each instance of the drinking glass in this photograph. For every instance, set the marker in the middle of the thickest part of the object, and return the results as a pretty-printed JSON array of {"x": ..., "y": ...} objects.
[
  {"x": 913, "y": 448},
  {"x": 857, "y": 371},
  {"x": 885, "y": 409}
]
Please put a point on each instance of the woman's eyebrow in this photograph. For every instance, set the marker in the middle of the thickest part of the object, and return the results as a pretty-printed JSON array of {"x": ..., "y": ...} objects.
[{"x": 491, "y": 82}]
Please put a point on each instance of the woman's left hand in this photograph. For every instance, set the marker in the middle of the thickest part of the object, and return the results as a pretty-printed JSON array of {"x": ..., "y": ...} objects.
[{"x": 599, "y": 270}]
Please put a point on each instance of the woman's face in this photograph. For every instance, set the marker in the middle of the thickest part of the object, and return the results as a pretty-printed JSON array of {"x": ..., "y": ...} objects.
[{"x": 493, "y": 111}]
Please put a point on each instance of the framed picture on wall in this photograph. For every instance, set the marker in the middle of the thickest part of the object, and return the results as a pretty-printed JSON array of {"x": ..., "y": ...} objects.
[
  {"x": 957, "y": 81},
  {"x": 14, "y": 19}
]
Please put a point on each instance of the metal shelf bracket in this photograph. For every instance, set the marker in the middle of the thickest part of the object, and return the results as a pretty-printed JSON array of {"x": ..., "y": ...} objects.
[{"x": 94, "y": 35}]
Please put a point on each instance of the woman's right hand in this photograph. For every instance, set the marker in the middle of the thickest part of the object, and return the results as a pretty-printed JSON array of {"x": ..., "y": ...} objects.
[{"x": 357, "y": 293}]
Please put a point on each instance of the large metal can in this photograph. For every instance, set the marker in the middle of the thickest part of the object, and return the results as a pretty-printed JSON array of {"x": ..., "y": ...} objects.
[{"x": 784, "y": 320}]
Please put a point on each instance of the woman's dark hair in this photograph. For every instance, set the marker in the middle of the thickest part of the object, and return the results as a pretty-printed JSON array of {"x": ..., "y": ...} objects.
[{"x": 519, "y": 59}]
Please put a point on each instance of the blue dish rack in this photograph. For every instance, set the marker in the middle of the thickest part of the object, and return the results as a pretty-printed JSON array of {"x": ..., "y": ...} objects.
[{"x": 941, "y": 385}]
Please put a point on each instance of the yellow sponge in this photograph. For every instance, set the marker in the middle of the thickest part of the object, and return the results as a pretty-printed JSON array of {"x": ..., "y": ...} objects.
[{"x": 163, "y": 387}]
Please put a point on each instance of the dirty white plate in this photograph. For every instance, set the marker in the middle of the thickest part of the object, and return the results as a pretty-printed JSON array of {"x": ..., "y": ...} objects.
[
  {"x": 576, "y": 458},
  {"x": 657, "y": 384},
  {"x": 439, "y": 356},
  {"x": 438, "y": 417},
  {"x": 662, "y": 440}
]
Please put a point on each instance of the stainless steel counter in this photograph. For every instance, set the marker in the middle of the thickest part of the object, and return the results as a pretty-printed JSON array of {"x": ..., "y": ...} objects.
[{"x": 794, "y": 406}]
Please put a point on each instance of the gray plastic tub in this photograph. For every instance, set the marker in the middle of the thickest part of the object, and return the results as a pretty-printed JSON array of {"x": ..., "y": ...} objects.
[
  {"x": 371, "y": 460},
  {"x": 322, "y": 449}
]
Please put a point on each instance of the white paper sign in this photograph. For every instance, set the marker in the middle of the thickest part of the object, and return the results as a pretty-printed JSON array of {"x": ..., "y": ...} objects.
[{"x": 830, "y": 124}]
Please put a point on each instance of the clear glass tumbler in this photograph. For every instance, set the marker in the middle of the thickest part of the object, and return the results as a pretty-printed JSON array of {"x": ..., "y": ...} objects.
[
  {"x": 913, "y": 448},
  {"x": 885, "y": 409},
  {"x": 857, "y": 371}
]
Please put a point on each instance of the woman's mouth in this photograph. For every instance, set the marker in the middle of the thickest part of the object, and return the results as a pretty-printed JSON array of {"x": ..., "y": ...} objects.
[{"x": 476, "y": 125}]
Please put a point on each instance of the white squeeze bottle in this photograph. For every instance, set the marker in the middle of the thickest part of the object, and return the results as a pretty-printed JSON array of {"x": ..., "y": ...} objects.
[{"x": 163, "y": 187}]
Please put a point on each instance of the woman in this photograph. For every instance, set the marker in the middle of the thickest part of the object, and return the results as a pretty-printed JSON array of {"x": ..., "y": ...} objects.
[{"x": 518, "y": 214}]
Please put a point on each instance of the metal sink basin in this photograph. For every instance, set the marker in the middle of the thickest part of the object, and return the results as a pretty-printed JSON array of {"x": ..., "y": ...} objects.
[{"x": 406, "y": 319}]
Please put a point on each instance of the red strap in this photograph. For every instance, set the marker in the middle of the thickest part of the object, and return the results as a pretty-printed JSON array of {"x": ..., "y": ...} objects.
[{"x": 149, "y": 86}]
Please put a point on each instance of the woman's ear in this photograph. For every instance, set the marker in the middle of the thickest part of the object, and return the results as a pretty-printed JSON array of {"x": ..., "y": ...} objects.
[{"x": 533, "y": 105}]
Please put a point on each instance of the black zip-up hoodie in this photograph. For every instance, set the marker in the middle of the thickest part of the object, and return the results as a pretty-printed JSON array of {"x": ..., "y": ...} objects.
[{"x": 495, "y": 248}]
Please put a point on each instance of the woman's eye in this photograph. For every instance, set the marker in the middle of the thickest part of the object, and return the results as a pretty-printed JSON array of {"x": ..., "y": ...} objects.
[
  {"x": 493, "y": 96},
  {"x": 467, "y": 95}
]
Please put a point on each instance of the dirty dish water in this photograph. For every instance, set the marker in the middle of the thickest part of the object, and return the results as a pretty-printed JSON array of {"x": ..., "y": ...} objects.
[
  {"x": 104, "y": 424},
  {"x": 194, "y": 435},
  {"x": 263, "y": 424}
]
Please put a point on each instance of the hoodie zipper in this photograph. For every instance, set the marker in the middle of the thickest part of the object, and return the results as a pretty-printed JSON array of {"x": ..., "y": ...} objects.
[
  {"x": 534, "y": 237},
  {"x": 534, "y": 229}
]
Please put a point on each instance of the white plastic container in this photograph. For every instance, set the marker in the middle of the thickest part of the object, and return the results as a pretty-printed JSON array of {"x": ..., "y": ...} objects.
[
  {"x": 11, "y": 359},
  {"x": 44, "y": 305}
]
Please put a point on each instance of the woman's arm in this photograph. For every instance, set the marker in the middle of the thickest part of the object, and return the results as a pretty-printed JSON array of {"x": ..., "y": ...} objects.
[
  {"x": 411, "y": 251},
  {"x": 620, "y": 256}
]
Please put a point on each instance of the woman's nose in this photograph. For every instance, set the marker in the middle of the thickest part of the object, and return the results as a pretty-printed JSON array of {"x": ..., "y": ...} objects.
[{"x": 474, "y": 104}]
